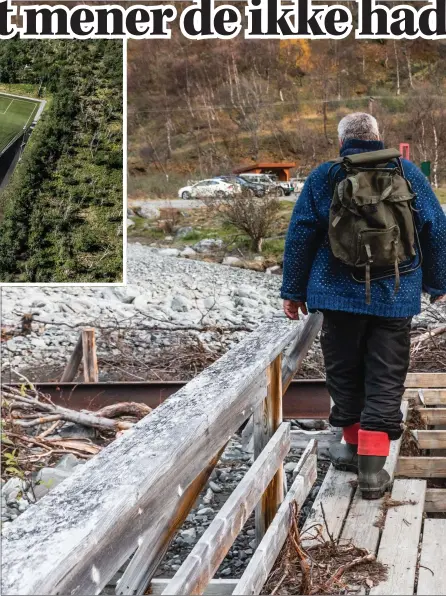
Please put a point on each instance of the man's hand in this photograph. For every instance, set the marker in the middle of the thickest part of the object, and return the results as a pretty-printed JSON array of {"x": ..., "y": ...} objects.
[{"x": 291, "y": 309}]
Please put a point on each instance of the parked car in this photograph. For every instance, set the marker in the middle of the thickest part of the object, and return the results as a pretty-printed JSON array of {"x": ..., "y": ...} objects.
[
  {"x": 208, "y": 189},
  {"x": 258, "y": 190},
  {"x": 271, "y": 182}
]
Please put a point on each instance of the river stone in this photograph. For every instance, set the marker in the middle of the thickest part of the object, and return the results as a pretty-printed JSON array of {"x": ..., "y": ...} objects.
[
  {"x": 169, "y": 252},
  {"x": 188, "y": 252},
  {"x": 184, "y": 231},
  {"x": 189, "y": 536},
  {"x": 180, "y": 303},
  {"x": 147, "y": 211},
  {"x": 208, "y": 245},
  {"x": 233, "y": 262}
]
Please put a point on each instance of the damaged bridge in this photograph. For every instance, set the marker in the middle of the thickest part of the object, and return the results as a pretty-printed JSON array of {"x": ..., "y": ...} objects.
[{"x": 129, "y": 501}]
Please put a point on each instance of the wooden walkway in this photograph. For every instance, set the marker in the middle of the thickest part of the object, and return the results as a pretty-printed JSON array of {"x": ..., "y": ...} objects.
[
  {"x": 412, "y": 546},
  {"x": 131, "y": 499}
]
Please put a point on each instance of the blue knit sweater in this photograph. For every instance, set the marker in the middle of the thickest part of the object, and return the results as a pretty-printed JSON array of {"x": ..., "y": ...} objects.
[{"x": 312, "y": 274}]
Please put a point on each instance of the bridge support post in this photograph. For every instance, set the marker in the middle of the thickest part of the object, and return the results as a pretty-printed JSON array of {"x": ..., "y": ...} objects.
[
  {"x": 267, "y": 419},
  {"x": 89, "y": 358}
]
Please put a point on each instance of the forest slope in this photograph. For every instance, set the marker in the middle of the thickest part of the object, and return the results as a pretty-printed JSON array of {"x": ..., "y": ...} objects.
[
  {"x": 62, "y": 209},
  {"x": 199, "y": 108}
]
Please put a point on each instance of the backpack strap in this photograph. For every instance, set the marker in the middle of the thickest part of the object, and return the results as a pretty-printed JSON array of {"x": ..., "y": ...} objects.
[{"x": 372, "y": 157}]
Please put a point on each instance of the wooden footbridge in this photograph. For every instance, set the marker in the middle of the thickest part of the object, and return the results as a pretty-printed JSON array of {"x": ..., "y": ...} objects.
[{"x": 129, "y": 501}]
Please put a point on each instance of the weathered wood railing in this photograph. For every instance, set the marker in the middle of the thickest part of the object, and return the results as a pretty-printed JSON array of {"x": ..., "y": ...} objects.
[{"x": 134, "y": 495}]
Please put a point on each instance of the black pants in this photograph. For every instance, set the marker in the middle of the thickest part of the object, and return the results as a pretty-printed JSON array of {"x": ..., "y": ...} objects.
[{"x": 366, "y": 361}]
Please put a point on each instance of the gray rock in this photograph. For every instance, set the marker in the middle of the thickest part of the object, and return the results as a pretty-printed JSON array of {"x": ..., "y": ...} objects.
[
  {"x": 67, "y": 462},
  {"x": 226, "y": 572},
  {"x": 188, "y": 252},
  {"x": 143, "y": 301},
  {"x": 148, "y": 211},
  {"x": 47, "y": 479},
  {"x": 126, "y": 295},
  {"x": 180, "y": 303},
  {"x": 12, "y": 489},
  {"x": 23, "y": 505},
  {"x": 289, "y": 467},
  {"x": 208, "y": 245},
  {"x": 208, "y": 497},
  {"x": 130, "y": 223},
  {"x": 189, "y": 536},
  {"x": 232, "y": 262},
  {"x": 205, "y": 511},
  {"x": 312, "y": 424},
  {"x": 216, "y": 488},
  {"x": 184, "y": 231},
  {"x": 169, "y": 252},
  {"x": 77, "y": 431}
]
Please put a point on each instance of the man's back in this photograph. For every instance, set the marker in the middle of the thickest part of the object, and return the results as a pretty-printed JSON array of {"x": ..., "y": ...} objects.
[{"x": 313, "y": 275}]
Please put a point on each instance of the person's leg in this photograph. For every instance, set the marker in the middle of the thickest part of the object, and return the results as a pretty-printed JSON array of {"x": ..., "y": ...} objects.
[
  {"x": 386, "y": 363},
  {"x": 343, "y": 347}
]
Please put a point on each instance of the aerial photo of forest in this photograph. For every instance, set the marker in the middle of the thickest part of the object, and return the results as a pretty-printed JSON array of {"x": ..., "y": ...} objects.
[{"x": 61, "y": 202}]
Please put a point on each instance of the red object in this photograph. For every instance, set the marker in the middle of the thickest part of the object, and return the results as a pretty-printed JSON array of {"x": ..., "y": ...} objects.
[
  {"x": 351, "y": 433},
  {"x": 372, "y": 442},
  {"x": 405, "y": 150}
]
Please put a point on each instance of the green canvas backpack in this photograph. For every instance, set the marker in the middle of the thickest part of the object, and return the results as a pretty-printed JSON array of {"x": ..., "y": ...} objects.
[{"x": 371, "y": 224}]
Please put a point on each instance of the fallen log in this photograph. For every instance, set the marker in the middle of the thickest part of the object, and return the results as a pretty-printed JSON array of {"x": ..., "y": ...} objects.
[{"x": 85, "y": 418}]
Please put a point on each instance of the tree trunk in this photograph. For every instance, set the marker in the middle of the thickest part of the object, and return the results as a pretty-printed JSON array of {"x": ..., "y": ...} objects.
[
  {"x": 409, "y": 66},
  {"x": 397, "y": 63},
  {"x": 257, "y": 244}
]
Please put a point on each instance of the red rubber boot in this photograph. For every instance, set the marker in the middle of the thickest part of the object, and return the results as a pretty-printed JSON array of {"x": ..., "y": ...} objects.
[
  {"x": 373, "y": 449},
  {"x": 344, "y": 455}
]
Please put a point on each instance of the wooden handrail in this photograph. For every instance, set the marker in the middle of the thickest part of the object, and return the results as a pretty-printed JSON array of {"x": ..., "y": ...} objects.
[{"x": 75, "y": 539}]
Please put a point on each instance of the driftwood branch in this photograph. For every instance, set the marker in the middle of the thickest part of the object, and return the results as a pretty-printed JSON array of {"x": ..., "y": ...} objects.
[{"x": 86, "y": 418}]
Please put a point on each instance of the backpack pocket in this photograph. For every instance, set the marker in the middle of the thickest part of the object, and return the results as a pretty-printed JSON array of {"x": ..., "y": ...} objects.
[{"x": 378, "y": 247}]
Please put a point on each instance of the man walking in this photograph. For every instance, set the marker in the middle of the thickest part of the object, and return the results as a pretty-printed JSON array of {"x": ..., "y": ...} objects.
[{"x": 365, "y": 334}]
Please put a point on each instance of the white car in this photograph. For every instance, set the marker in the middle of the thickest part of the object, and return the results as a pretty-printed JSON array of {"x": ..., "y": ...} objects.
[{"x": 208, "y": 189}]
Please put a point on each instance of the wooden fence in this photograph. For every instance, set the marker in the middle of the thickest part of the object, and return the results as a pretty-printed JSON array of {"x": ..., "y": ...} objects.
[{"x": 132, "y": 497}]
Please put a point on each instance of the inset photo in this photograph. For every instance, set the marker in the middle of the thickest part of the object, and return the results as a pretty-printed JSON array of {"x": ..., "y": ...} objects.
[{"x": 61, "y": 161}]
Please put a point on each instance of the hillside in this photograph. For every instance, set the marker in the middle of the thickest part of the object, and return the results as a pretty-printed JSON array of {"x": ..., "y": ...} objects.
[
  {"x": 199, "y": 108},
  {"x": 62, "y": 209}
]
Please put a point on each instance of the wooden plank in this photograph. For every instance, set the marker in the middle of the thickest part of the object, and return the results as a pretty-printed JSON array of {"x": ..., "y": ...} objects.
[
  {"x": 435, "y": 500},
  {"x": 264, "y": 557},
  {"x": 432, "y": 573},
  {"x": 421, "y": 467},
  {"x": 324, "y": 438},
  {"x": 335, "y": 496},
  {"x": 297, "y": 350},
  {"x": 267, "y": 419},
  {"x": 430, "y": 397},
  {"x": 69, "y": 374},
  {"x": 433, "y": 416},
  {"x": 398, "y": 549},
  {"x": 359, "y": 525},
  {"x": 426, "y": 380},
  {"x": 430, "y": 439},
  {"x": 153, "y": 546},
  {"x": 85, "y": 529},
  {"x": 89, "y": 358},
  {"x": 216, "y": 587},
  {"x": 200, "y": 565}
]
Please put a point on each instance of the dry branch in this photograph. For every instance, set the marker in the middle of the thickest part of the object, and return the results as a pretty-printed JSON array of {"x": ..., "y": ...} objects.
[{"x": 85, "y": 418}]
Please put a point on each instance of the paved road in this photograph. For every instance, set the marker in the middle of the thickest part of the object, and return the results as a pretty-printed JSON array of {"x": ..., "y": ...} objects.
[
  {"x": 181, "y": 204},
  {"x": 192, "y": 203}
]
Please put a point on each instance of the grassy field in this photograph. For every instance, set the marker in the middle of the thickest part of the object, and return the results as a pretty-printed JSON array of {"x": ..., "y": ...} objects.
[{"x": 15, "y": 115}]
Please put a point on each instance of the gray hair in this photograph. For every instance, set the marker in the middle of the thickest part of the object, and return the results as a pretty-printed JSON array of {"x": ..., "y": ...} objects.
[{"x": 360, "y": 126}]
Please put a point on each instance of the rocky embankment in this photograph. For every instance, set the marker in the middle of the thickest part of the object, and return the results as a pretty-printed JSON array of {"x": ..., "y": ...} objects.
[{"x": 165, "y": 293}]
